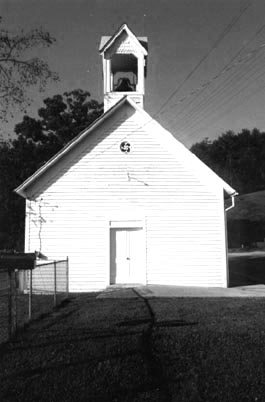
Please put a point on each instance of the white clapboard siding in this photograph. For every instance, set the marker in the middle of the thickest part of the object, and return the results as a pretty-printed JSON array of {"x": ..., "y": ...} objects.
[{"x": 182, "y": 212}]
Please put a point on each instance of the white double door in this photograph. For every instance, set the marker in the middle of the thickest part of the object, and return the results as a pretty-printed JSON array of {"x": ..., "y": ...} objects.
[{"x": 127, "y": 255}]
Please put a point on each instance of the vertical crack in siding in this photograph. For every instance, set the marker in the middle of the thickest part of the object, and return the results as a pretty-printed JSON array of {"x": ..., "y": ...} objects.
[{"x": 154, "y": 363}]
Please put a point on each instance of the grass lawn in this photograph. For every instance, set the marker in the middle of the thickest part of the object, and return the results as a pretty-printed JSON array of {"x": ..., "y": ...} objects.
[
  {"x": 41, "y": 304},
  {"x": 128, "y": 349},
  {"x": 246, "y": 269},
  {"x": 218, "y": 358}
]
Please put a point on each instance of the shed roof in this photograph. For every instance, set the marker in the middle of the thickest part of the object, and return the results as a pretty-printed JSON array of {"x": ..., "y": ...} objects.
[{"x": 17, "y": 261}]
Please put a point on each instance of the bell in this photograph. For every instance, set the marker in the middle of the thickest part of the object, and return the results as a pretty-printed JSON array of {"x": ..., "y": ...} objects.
[{"x": 124, "y": 85}]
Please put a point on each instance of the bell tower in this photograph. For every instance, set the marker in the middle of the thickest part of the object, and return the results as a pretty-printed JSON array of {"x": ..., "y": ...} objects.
[{"x": 124, "y": 58}]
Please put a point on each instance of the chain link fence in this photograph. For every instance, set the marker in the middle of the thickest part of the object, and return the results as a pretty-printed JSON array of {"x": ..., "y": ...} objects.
[{"x": 28, "y": 294}]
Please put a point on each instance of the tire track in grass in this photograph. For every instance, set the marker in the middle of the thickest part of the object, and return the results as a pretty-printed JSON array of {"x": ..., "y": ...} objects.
[{"x": 153, "y": 362}]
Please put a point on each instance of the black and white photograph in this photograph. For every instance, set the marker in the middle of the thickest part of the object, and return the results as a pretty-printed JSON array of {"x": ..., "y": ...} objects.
[{"x": 132, "y": 200}]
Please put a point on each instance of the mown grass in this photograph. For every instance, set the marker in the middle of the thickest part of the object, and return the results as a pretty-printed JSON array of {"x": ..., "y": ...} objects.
[
  {"x": 113, "y": 349},
  {"x": 220, "y": 357},
  {"x": 246, "y": 270},
  {"x": 41, "y": 304}
]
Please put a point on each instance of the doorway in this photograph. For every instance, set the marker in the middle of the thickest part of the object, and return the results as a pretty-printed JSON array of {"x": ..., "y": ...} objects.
[{"x": 127, "y": 256}]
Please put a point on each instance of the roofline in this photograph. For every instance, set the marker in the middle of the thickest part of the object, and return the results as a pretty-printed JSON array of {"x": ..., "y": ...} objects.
[
  {"x": 117, "y": 33},
  {"x": 20, "y": 189},
  {"x": 227, "y": 188},
  {"x": 148, "y": 120}
]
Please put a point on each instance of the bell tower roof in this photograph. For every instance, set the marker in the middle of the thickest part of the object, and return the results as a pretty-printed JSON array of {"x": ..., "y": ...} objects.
[
  {"x": 140, "y": 42},
  {"x": 124, "y": 59}
]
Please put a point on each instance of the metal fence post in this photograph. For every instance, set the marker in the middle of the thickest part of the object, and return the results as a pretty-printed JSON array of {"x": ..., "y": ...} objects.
[
  {"x": 55, "y": 285},
  {"x": 67, "y": 277},
  {"x": 9, "y": 304},
  {"x": 30, "y": 294},
  {"x": 15, "y": 300}
]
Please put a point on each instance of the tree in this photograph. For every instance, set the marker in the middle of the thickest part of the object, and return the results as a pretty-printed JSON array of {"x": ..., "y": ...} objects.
[
  {"x": 11, "y": 209},
  {"x": 238, "y": 158},
  {"x": 60, "y": 120},
  {"x": 19, "y": 71}
]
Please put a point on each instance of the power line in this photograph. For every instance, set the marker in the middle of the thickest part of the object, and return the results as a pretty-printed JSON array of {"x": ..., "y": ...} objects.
[
  {"x": 228, "y": 87},
  {"x": 223, "y": 34},
  {"x": 227, "y": 30},
  {"x": 142, "y": 126},
  {"x": 219, "y": 116},
  {"x": 207, "y": 85},
  {"x": 246, "y": 98},
  {"x": 224, "y": 89},
  {"x": 229, "y": 66},
  {"x": 198, "y": 109}
]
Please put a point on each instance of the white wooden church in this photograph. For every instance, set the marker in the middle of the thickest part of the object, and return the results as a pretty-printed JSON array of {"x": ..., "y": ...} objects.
[{"x": 125, "y": 200}]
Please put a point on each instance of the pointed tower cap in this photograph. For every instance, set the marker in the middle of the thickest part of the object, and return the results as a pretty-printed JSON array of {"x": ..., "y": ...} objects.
[{"x": 107, "y": 41}]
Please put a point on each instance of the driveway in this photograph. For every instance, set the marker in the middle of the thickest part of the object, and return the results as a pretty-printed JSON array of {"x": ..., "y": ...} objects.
[{"x": 202, "y": 292}]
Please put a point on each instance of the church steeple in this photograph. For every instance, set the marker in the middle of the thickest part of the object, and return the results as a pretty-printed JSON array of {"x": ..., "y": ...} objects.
[{"x": 124, "y": 58}]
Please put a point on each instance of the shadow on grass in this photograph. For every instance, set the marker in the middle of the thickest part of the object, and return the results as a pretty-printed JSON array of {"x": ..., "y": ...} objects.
[{"x": 106, "y": 340}]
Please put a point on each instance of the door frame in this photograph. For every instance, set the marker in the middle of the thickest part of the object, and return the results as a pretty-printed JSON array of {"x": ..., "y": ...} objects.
[{"x": 126, "y": 224}]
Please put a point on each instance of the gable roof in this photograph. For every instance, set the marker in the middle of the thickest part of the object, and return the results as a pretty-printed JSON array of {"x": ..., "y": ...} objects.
[
  {"x": 165, "y": 138},
  {"x": 107, "y": 41}
]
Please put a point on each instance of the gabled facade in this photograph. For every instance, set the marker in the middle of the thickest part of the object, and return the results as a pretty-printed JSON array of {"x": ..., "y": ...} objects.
[{"x": 125, "y": 200}]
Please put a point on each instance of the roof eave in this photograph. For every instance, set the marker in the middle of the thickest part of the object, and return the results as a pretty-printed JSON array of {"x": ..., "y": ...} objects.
[
  {"x": 21, "y": 189},
  {"x": 148, "y": 119},
  {"x": 230, "y": 191}
]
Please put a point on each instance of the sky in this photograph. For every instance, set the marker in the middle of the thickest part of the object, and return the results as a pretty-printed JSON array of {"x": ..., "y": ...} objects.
[{"x": 206, "y": 59}]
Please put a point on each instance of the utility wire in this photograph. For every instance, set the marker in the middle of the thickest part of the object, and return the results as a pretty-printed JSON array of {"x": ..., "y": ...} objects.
[
  {"x": 198, "y": 109},
  {"x": 232, "y": 64},
  {"x": 227, "y": 29},
  {"x": 223, "y": 89},
  {"x": 195, "y": 108},
  {"x": 219, "y": 116},
  {"x": 225, "y": 112},
  {"x": 140, "y": 128},
  {"x": 223, "y": 34}
]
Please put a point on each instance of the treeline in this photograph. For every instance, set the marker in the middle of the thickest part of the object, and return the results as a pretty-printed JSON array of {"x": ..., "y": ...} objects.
[
  {"x": 60, "y": 119},
  {"x": 239, "y": 158}
]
